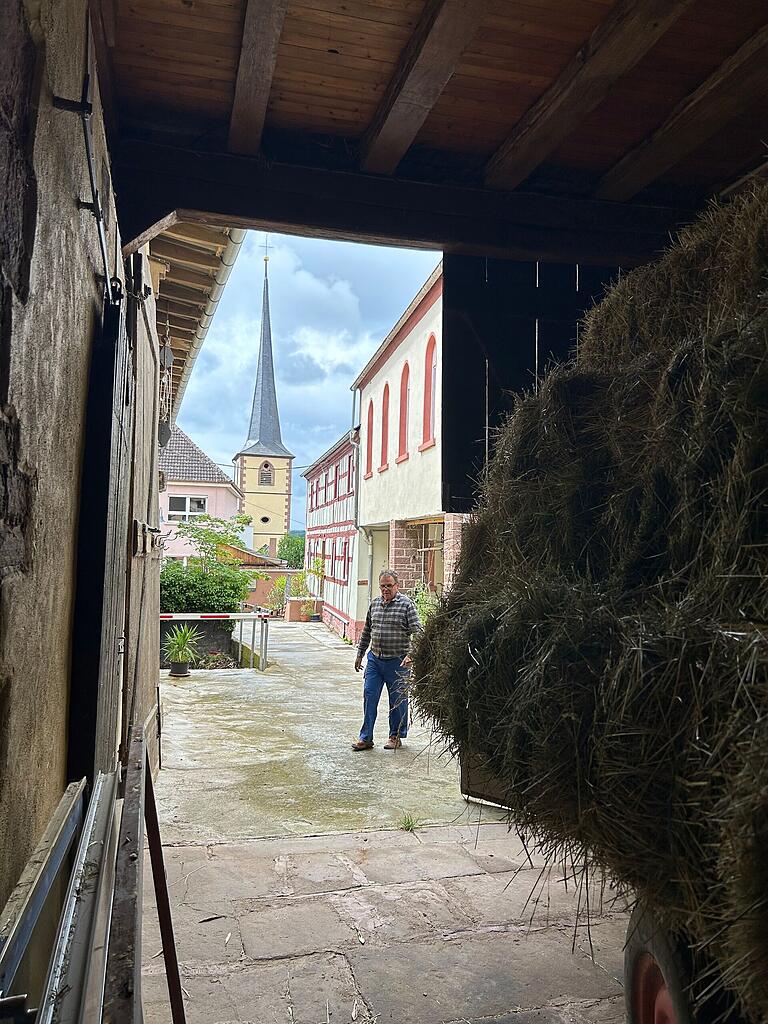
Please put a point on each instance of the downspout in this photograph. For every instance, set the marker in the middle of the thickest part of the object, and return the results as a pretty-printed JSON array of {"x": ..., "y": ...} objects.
[
  {"x": 227, "y": 261},
  {"x": 363, "y": 529}
]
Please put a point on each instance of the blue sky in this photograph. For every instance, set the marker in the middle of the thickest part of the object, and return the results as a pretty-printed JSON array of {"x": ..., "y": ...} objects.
[{"x": 332, "y": 305}]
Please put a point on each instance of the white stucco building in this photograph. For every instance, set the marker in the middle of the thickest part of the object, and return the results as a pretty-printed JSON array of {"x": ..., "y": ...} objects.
[{"x": 401, "y": 512}]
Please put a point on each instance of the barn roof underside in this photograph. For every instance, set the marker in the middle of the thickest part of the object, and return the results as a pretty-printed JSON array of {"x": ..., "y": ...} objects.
[{"x": 564, "y": 130}]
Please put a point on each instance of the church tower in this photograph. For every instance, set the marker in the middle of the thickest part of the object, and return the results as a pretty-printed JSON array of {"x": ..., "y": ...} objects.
[{"x": 263, "y": 465}]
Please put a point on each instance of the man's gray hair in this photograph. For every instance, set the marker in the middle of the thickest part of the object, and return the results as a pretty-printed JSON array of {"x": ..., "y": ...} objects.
[{"x": 388, "y": 572}]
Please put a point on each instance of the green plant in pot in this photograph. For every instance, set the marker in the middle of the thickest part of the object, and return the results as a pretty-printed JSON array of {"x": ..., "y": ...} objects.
[
  {"x": 307, "y": 609},
  {"x": 180, "y": 647}
]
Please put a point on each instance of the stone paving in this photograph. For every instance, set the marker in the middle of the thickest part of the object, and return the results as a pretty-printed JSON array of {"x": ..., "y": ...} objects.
[{"x": 363, "y": 922}]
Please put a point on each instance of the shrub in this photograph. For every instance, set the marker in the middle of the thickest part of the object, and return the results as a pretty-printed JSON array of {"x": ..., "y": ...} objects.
[{"x": 220, "y": 588}]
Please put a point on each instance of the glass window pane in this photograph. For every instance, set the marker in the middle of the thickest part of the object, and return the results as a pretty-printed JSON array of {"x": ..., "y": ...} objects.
[{"x": 177, "y": 503}]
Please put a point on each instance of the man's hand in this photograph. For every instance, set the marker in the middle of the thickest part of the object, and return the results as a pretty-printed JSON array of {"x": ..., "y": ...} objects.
[
  {"x": 358, "y": 663},
  {"x": 406, "y": 662}
]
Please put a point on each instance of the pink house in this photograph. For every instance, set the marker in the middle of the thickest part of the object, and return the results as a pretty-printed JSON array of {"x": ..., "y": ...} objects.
[{"x": 194, "y": 486}]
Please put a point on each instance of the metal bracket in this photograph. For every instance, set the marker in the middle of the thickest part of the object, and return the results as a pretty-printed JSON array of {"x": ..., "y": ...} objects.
[{"x": 14, "y": 1009}]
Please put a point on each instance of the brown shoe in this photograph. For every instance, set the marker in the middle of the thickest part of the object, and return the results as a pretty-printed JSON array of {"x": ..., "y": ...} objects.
[
  {"x": 393, "y": 743},
  {"x": 362, "y": 745}
]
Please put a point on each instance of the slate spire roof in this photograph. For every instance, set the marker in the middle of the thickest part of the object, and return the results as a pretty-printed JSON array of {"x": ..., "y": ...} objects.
[
  {"x": 182, "y": 461},
  {"x": 264, "y": 433}
]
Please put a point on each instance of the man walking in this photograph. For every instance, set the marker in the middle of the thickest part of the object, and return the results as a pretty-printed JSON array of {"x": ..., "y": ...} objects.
[{"x": 391, "y": 621}]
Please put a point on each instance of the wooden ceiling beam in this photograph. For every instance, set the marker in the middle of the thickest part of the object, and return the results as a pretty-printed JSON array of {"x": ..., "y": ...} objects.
[
  {"x": 179, "y": 310},
  {"x": 444, "y": 31},
  {"x": 200, "y": 234},
  {"x": 182, "y": 294},
  {"x": 174, "y": 252},
  {"x": 631, "y": 29},
  {"x": 258, "y": 55},
  {"x": 694, "y": 120},
  {"x": 190, "y": 278},
  {"x": 225, "y": 190}
]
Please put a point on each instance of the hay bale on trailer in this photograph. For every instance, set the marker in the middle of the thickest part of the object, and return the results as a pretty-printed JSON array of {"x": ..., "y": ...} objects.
[{"x": 604, "y": 649}]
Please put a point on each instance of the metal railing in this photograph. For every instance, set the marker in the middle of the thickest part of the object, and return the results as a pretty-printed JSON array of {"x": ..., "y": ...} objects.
[{"x": 241, "y": 617}]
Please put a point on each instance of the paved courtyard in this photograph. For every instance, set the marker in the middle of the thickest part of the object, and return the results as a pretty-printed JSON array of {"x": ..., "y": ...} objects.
[{"x": 298, "y": 897}]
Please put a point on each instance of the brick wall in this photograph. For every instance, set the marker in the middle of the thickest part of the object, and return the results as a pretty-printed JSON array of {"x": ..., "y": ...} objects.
[
  {"x": 452, "y": 533},
  {"x": 404, "y": 557}
]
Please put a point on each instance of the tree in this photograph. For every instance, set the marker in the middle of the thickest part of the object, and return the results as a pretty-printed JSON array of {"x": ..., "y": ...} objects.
[
  {"x": 291, "y": 548},
  {"x": 214, "y": 580},
  {"x": 210, "y": 536}
]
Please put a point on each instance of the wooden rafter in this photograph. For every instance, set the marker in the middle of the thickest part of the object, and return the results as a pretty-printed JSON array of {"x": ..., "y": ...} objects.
[
  {"x": 616, "y": 45},
  {"x": 426, "y": 65},
  {"x": 697, "y": 118},
  {"x": 168, "y": 249},
  {"x": 258, "y": 54}
]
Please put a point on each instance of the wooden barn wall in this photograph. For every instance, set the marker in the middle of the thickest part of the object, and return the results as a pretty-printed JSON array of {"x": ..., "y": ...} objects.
[
  {"x": 51, "y": 313},
  {"x": 519, "y": 318}
]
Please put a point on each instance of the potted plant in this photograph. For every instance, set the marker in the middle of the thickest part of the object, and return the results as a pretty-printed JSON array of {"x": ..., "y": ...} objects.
[
  {"x": 180, "y": 647},
  {"x": 307, "y": 609}
]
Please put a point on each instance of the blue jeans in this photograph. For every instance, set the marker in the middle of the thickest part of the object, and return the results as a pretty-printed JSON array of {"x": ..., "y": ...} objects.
[{"x": 378, "y": 672}]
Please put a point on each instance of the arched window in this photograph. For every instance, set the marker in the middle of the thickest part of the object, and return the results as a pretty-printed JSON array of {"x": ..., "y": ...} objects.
[
  {"x": 266, "y": 475},
  {"x": 384, "y": 429},
  {"x": 405, "y": 399},
  {"x": 369, "y": 443},
  {"x": 430, "y": 392}
]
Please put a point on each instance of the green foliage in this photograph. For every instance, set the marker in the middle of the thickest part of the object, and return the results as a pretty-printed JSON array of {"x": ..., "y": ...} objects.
[
  {"x": 299, "y": 587},
  {"x": 181, "y": 643},
  {"x": 409, "y": 822},
  {"x": 318, "y": 571},
  {"x": 308, "y": 607},
  {"x": 275, "y": 599},
  {"x": 209, "y": 536},
  {"x": 220, "y": 587},
  {"x": 427, "y": 602},
  {"x": 291, "y": 549}
]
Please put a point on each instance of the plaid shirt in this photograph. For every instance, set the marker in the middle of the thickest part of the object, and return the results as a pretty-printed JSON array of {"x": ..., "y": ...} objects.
[{"x": 389, "y": 627}]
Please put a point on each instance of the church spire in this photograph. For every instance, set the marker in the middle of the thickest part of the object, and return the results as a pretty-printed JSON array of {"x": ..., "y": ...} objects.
[{"x": 264, "y": 433}]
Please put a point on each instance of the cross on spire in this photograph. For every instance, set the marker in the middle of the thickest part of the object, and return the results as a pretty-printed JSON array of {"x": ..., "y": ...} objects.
[{"x": 266, "y": 247}]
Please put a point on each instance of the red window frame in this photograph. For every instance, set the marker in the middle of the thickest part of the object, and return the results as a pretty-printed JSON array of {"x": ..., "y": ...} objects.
[
  {"x": 405, "y": 400},
  {"x": 384, "y": 430},
  {"x": 369, "y": 443},
  {"x": 430, "y": 387}
]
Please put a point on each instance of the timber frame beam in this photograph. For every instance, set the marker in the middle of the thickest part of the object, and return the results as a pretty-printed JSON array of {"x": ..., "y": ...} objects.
[
  {"x": 258, "y": 55},
  {"x": 697, "y": 118},
  {"x": 631, "y": 29},
  {"x": 426, "y": 65},
  {"x": 221, "y": 189}
]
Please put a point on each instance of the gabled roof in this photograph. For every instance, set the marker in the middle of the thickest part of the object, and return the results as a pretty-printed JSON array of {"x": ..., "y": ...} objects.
[
  {"x": 181, "y": 460},
  {"x": 344, "y": 443},
  {"x": 422, "y": 302}
]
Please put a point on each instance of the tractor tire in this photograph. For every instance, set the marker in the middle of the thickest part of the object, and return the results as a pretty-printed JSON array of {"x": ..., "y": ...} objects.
[{"x": 657, "y": 974}]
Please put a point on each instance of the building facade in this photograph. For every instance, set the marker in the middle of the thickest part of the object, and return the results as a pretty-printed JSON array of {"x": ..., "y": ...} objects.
[
  {"x": 263, "y": 467},
  {"x": 194, "y": 486},
  {"x": 401, "y": 513},
  {"x": 332, "y": 535}
]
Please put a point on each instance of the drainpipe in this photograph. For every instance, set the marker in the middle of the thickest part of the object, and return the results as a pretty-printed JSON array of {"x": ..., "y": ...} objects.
[
  {"x": 364, "y": 530},
  {"x": 228, "y": 257}
]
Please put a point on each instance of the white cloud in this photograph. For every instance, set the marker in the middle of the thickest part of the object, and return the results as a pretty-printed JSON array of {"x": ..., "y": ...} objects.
[{"x": 332, "y": 303}]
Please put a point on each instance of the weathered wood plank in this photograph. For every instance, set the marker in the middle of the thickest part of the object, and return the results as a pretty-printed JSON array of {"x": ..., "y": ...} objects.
[
  {"x": 167, "y": 249},
  {"x": 444, "y": 31},
  {"x": 216, "y": 188},
  {"x": 258, "y": 55},
  {"x": 616, "y": 45},
  {"x": 708, "y": 109}
]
